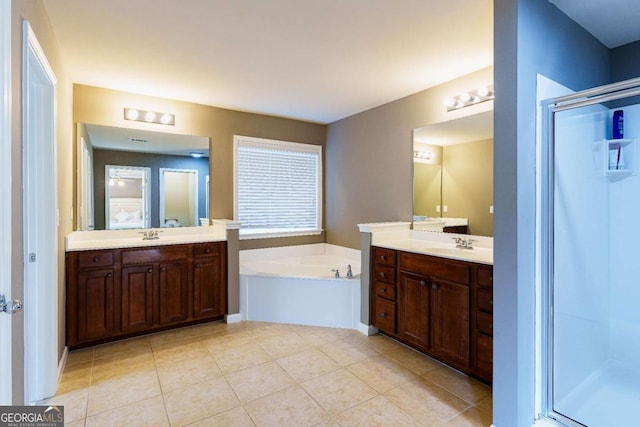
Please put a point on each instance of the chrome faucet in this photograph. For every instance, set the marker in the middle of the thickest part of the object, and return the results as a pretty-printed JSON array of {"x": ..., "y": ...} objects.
[
  {"x": 463, "y": 243},
  {"x": 349, "y": 272},
  {"x": 150, "y": 234},
  {"x": 337, "y": 271}
]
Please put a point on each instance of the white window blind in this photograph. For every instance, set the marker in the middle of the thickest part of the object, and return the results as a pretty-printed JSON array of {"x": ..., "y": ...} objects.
[{"x": 278, "y": 186}]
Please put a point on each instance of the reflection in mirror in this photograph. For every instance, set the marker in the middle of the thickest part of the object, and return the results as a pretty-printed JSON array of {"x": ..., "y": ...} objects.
[
  {"x": 126, "y": 197},
  {"x": 453, "y": 176},
  {"x": 99, "y": 146},
  {"x": 178, "y": 197}
]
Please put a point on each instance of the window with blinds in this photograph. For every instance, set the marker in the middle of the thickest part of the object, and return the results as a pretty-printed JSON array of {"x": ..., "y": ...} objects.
[{"x": 278, "y": 187}]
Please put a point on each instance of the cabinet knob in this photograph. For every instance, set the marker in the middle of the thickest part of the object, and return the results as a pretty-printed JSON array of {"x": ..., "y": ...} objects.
[
  {"x": 383, "y": 258},
  {"x": 491, "y": 326},
  {"x": 150, "y": 270},
  {"x": 491, "y": 302},
  {"x": 197, "y": 265},
  {"x": 382, "y": 274},
  {"x": 207, "y": 250},
  {"x": 95, "y": 259},
  {"x": 109, "y": 275},
  {"x": 383, "y": 315},
  {"x": 383, "y": 290},
  {"x": 422, "y": 283},
  {"x": 163, "y": 268},
  {"x": 434, "y": 286}
]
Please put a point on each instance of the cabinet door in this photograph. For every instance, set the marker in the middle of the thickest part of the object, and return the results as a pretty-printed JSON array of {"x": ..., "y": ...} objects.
[
  {"x": 413, "y": 309},
  {"x": 137, "y": 298},
  {"x": 209, "y": 296},
  {"x": 450, "y": 322},
  {"x": 173, "y": 292},
  {"x": 95, "y": 304}
]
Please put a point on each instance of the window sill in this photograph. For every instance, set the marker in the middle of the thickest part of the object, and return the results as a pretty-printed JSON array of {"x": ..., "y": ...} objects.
[{"x": 276, "y": 233}]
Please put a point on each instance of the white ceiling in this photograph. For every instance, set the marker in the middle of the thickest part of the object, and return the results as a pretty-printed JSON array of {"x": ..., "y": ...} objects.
[
  {"x": 458, "y": 131},
  {"x": 145, "y": 141},
  {"x": 312, "y": 60},
  {"x": 613, "y": 22}
]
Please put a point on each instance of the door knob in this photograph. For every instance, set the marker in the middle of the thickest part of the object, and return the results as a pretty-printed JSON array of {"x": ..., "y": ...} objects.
[{"x": 10, "y": 307}]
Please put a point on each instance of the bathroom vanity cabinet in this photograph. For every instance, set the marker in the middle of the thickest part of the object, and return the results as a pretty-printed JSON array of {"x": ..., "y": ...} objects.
[
  {"x": 118, "y": 293},
  {"x": 439, "y": 306}
]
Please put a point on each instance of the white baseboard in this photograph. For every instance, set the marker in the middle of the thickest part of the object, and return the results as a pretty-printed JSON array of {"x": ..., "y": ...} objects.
[
  {"x": 233, "y": 318},
  {"x": 367, "y": 329}
]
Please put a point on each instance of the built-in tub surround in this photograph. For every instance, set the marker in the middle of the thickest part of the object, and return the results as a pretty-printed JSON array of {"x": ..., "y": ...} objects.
[{"x": 298, "y": 285}]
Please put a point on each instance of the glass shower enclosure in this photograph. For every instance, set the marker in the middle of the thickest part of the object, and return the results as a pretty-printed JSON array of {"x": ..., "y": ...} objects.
[{"x": 590, "y": 257}]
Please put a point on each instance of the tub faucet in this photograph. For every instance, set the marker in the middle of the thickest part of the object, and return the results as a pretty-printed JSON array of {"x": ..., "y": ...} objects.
[
  {"x": 337, "y": 271},
  {"x": 349, "y": 272}
]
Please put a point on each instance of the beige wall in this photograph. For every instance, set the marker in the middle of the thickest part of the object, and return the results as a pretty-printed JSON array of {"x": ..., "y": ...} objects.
[
  {"x": 105, "y": 107},
  {"x": 34, "y": 12},
  {"x": 369, "y": 157},
  {"x": 467, "y": 184}
]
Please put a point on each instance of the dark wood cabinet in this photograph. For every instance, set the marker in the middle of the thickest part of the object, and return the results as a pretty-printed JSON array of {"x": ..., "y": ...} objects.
[
  {"x": 118, "y": 293},
  {"x": 450, "y": 322},
  {"x": 439, "y": 306},
  {"x": 482, "y": 330},
  {"x": 95, "y": 296},
  {"x": 208, "y": 299},
  {"x": 173, "y": 292},
  {"x": 136, "y": 298},
  {"x": 413, "y": 312}
]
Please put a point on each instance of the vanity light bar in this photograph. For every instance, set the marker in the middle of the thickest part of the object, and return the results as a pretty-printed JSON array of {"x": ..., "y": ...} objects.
[
  {"x": 136, "y": 115},
  {"x": 482, "y": 94}
]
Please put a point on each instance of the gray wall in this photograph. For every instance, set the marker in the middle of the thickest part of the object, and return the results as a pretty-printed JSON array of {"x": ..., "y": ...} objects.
[
  {"x": 101, "y": 158},
  {"x": 369, "y": 158},
  {"x": 531, "y": 37},
  {"x": 625, "y": 62}
]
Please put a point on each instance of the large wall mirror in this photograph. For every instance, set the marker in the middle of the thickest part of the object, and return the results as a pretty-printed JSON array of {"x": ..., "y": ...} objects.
[
  {"x": 119, "y": 178},
  {"x": 453, "y": 173}
]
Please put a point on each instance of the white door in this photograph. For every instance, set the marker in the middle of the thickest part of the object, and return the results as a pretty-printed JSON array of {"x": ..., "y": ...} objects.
[
  {"x": 40, "y": 204},
  {"x": 5, "y": 196}
]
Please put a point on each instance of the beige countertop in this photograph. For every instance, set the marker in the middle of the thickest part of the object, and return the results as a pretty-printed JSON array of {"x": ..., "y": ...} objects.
[{"x": 113, "y": 239}]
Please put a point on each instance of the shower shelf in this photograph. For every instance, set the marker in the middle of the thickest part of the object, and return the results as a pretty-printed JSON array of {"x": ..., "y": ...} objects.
[{"x": 619, "y": 167}]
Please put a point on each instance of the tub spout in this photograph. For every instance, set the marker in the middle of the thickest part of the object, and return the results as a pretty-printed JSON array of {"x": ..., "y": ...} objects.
[
  {"x": 349, "y": 272},
  {"x": 337, "y": 271}
]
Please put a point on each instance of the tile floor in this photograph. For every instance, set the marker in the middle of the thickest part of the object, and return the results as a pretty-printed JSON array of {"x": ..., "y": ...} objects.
[{"x": 266, "y": 374}]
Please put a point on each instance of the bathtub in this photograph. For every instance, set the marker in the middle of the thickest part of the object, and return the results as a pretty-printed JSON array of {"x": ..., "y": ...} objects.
[{"x": 296, "y": 284}]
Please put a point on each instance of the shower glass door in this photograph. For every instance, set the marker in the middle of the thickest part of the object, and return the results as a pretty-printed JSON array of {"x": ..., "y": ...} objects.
[{"x": 590, "y": 262}]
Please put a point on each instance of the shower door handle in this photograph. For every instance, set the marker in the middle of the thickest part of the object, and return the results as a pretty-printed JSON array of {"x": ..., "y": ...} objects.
[{"x": 10, "y": 307}]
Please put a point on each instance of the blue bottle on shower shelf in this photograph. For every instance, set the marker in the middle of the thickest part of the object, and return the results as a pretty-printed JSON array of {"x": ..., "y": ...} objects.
[{"x": 618, "y": 124}]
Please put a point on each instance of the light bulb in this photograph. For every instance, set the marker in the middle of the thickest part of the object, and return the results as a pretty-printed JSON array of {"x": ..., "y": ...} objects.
[
  {"x": 132, "y": 114},
  {"x": 150, "y": 116},
  {"x": 465, "y": 97},
  {"x": 165, "y": 119},
  {"x": 483, "y": 91},
  {"x": 449, "y": 102}
]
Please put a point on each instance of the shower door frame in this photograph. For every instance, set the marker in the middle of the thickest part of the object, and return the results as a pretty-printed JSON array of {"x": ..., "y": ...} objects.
[{"x": 545, "y": 251}]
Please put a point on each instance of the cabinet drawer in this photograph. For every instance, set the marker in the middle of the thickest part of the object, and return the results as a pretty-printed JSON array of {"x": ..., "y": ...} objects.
[
  {"x": 433, "y": 267},
  {"x": 485, "y": 276},
  {"x": 485, "y": 300},
  {"x": 385, "y": 312},
  {"x": 385, "y": 290},
  {"x": 484, "y": 357},
  {"x": 384, "y": 273},
  {"x": 384, "y": 256},
  {"x": 156, "y": 254},
  {"x": 484, "y": 323},
  {"x": 207, "y": 249},
  {"x": 95, "y": 259}
]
